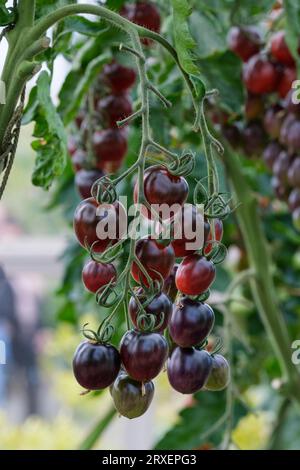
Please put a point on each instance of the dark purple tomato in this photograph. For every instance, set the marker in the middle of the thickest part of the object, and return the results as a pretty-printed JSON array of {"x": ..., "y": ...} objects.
[
  {"x": 118, "y": 78},
  {"x": 84, "y": 180},
  {"x": 279, "y": 189},
  {"x": 254, "y": 107},
  {"x": 254, "y": 138},
  {"x": 288, "y": 76},
  {"x": 114, "y": 108},
  {"x": 232, "y": 134},
  {"x": 280, "y": 50},
  {"x": 143, "y": 13},
  {"x": 131, "y": 398},
  {"x": 219, "y": 376},
  {"x": 296, "y": 218},
  {"x": 109, "y": 145},
  {"x": 143, "y": 354},
  {"x": 287, "y": 123},
  {"x": 169, "y": 287},
  {"x": 79, "y": 159},
  {"x": 294, "y": 173},
  {"x": 271, "y": 154},
  {"x": 191, "y": 322},
  {"x": 157, "y": 259},
  {"x": 260, "y": 75},
  {"x": 96, "y": 366},
  {"x": 160, "y": 307},
  {"x": 281, "y": 167},
  {"x": 89, "y": 219},
  {"x": 244, "y": 42},
  {"x": 195, "y": 275},
  {"x": 188, "y": 369},
  {"x": 190, "y": 231},
  {"x": 218, "y": 235},
  {"x": 96, "y": 275},
  {"x": 273, "y": 119},
  {"x": 294, "y": 199},
  {"x": 293, "y": 137}
]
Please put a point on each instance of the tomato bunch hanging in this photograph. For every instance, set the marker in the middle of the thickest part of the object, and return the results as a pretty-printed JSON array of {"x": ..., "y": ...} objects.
[
  {"x": 270, "y": 126},
  {"x": 164, "y": 302}
]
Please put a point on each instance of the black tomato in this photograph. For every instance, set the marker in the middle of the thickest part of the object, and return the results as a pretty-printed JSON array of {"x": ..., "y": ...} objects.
[
  {"x": 160, "y": 307},
  {"x": 271, "y": 154},
  {"x": 118, "y": 78},
  {"x": 84, "y": 180},
  {"x": 96, "y": 275},
  {"x": 109, "y": 145}
]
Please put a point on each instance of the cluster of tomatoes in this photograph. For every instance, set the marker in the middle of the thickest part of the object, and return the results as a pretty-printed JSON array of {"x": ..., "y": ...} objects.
[
  {"x": 178, "y": 333},
  {"x": 270, "y": 125}
]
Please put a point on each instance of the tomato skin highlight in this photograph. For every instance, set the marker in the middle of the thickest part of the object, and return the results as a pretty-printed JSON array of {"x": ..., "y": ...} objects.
[
  {"x": 131, "y": 398},
  {"x": 219, "y": 376},
  {"x": 161, "y": 304},
  {"x": 188, "y": 369},
  {"x": 244, "y": 42},
  {"x": 96, "y": 366},
  {"x": 191, "y": 322},
  {"x": 260, "y": 75},
  {"x": 118, "y": 77},
  {"x": 195, "y": 275},
  {"x": 143, "y": 354},
  {"x": 158, "y": 260},
  {"x": 96, "y": 275}
]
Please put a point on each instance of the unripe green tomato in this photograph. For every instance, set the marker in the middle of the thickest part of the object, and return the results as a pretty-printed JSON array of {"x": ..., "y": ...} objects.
[{"x": 220, "y": 374}]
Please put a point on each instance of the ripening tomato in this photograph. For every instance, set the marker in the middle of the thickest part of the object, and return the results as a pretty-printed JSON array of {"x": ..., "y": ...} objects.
[
  {"x": 143, "y": 13},
  {"x": 109, "y": 145},
  {"x": 96, "y": 275},
  {"x": 280, "y": 50},
  {"x": 195, "y": 275},
  {"x": 289, "y": 75},
  {"x": 118, "y": 78},
  {"x": 244, "y": 42},
  {"x": 260, "y": 75},
  {"x": 114, "y": 108}
]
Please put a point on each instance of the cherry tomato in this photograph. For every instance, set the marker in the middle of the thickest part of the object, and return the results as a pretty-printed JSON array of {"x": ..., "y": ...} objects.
[
  {"x": 191, "y": 322},
  {"x": 273, "y": 120},
  {"x": 109, "y": 145},
  {"x": 143, "y": 354},
  {"x": 96, "y": 275},
  {"x": 143, "y": 13},
  {"x": 157, "y": 259},
  {"x": 219, "y": 376},
  {"x": 84, "y": 180},
  {"x": 294, "y": 173},
  {"x": 287, "y": 123},
  {"x": 271, "y": 154},
  {"x": 294, "y": 199},
  {"x": 195, "y": 275},
  {"x": 289, "y": 75},
  {"x": 161, "y": 307},
  {"x": 281, "y": 167},
  {"x": 131, "y": 398},
  {"x": 187, "y": 222},
  {"x": 260, "y": 75},
  {"x": 96, "y": 366},
  {"x": 280, "y": 50},
  {"x": 114, "y": 108},
  {"x": 244, "y": 42},
  {"x": 118, "y": 78},
  {"x": 218, "y": 235},
  {"x": 188, "y": 369},
  {"x": 293, "y": 137}
]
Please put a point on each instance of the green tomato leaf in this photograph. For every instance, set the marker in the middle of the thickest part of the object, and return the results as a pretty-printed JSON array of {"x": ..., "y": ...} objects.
[
  {"x": 292, "y": 31},
  {"x": 7, "y": 15}
]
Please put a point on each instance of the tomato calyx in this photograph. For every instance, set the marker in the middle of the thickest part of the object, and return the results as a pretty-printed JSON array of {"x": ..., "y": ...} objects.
[{"x": 101, "y": 336}]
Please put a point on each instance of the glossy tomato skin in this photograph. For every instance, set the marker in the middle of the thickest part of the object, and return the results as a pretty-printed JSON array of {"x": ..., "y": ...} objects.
[
  {"x": 84, "y": 180},
  {"x": 161, "y": 187},
  {"x": 143, "y": 354},
  {"x": 188, "y": 369},
  {"x": 191, "y": 322},
  {"x": 169, "y": 286},
  {"x": 96, "y": 366},
  {"x": 280, "y": 50},
  {"x": 143, "y": 13},
  {"x": 160, "y": 306},
  {"x": 86, "y": 221},
  {"x": 244, "y": 42},
  {"x": 131, "y": 398},
  {"x": 114, "y": 108},
  {"x": 260, "y": 75},
  {"x": 118, "y": 78},
  {"x": 187, "y": 222},
  {"x": 218, "y": 235},
  {"x": 195, "y": 275},
  {"x": 96, "y": 275},
  {"x": 219, "y": 376},
  {"x": 289, "y": 75},
  {"x": 109, "y": 145},
  {"x": 157, "y": 259}
]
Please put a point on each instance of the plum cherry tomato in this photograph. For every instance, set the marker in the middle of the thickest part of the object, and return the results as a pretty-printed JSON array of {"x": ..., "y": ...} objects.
[
  {"x": 96, "y": 275},
  {"x": 118, "y": 78},
  {"x": 218, "y": 236},
  {"x": 260, "y": 75},
  {"x": 131, "y": 398},
  {"x": 195, "y": 275},
  {"x": 157, "y": 259},
  {"x": 219, "y": 376},
  {"x": 160, "y": 307},
  {"x": 114, "y": 108},
  {"x": 84, "y": 180},
  {"x": 109, "y": 145},
  {"x": 96, "y": 366},
  {"x": 244, "y": 42},
  {"x": 271, "y": 154},
  {"x": 143, "y": 354},
  {"x": 191, "y": 322},
  {"x": 87, "y": 216},
  {"x": 273, "y": 119},
  {"x": 163, "y": 188},
  {"x": 143, "y": 13},
  {"x": 187, "y": 222},
  {"x": 188, "y": 369},
  {"x": 293, "y": 137},
  {"x": 280, "y": 50}
]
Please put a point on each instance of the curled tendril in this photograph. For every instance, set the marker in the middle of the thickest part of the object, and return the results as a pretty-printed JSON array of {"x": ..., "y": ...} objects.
[
  {"x": 203, "y": 344},
  {"x": 203, "y": 297},
  {"x": 200, "y": 195},
  {"x": 218, "y": 346},
  {"x": 90, "y": 334},
  {"x": 109, "y": 255},
  {"x": 107, "y": 296},
  {"x": 217, "y": 207},
  {"x": 183, "y": 165},
  {"x": 105, "y": 332},
  {"x": 218, "y": 252},
  {"x": 104, "y": 190},
  {"x": 146, "y": 322}
]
